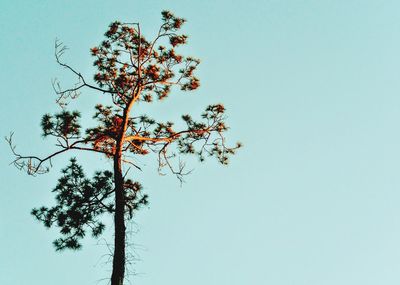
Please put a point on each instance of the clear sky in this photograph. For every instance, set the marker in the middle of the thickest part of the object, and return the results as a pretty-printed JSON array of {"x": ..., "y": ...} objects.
[{"x": 312, "y": 90}]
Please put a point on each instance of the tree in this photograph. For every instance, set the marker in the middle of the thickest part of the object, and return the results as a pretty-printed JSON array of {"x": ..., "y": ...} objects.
[{"x": 130, "y": 71}]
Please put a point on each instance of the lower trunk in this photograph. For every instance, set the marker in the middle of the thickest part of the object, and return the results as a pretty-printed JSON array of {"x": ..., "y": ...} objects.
[{"x": 118, "y": 271}]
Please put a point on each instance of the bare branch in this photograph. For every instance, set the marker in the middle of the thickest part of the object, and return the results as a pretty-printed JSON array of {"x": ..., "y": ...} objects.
[
  {"x": 35, "y": 165},
  {"x": 72, "y": 93}
]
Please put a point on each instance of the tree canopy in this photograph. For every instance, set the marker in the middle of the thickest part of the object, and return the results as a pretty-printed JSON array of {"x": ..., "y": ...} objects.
[{"x": 131, "y": 70}]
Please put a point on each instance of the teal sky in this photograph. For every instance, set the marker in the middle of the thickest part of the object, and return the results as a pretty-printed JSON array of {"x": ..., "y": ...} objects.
[{"x": 312, "y": 90}]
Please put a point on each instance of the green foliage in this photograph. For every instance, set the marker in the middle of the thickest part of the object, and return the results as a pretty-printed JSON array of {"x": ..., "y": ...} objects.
[
  {"x": 131, "y": 70},
  {"x": 64, "y": 125},
  {"x": 80, "y": 202},
  {"x": 134, "y": 198}
]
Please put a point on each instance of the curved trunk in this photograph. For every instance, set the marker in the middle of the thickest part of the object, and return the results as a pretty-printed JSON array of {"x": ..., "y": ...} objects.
[{"x": 118, "y": 272}]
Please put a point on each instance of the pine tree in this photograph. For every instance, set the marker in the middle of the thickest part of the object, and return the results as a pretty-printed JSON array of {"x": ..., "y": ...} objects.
[{"x": 130, "y": 71}]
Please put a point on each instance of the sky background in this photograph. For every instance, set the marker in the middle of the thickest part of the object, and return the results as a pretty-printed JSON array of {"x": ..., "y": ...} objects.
[{"x": 311, "y": 88}]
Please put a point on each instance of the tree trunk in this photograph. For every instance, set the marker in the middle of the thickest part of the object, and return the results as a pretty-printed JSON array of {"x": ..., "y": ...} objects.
[{"x": 118, "y": 272}]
